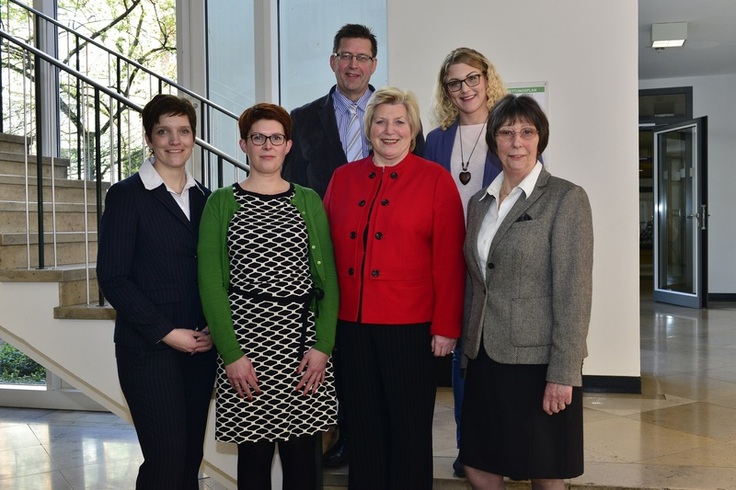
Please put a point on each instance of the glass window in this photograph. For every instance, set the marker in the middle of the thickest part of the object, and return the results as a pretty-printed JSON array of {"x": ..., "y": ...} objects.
[
  {"x": 306, "y": 31},
  {"x": 231, "y": 80},
  {"x": 662, "y": 106},
  {"x": 231, "y": 56}
]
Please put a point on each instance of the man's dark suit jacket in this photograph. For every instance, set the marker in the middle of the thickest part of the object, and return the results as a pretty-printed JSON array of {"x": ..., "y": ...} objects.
[
  {"x": 147, "y": 262},
  {"x": 316, "y": 149}
]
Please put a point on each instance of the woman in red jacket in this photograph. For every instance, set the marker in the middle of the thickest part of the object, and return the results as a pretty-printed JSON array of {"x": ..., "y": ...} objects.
[{"x": 397, "y": 228}]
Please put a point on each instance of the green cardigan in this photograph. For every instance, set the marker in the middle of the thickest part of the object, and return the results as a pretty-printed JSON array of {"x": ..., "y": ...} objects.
[{"x": 214, "y": 269}]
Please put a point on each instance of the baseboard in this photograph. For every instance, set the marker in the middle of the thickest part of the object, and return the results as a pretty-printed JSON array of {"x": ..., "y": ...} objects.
[
  {"x": 612, "y": 384},
  {"x": 725, "y": 297}
]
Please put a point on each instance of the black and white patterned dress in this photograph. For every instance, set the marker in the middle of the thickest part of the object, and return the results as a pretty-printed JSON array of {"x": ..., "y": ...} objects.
[{"x": 269, "y": 281}]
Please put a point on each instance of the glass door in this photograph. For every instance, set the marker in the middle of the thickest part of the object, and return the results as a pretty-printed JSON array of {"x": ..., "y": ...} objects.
[{"x": 681, "y": 214}]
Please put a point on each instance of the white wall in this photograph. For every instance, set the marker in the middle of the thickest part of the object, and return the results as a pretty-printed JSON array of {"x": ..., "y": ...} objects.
[
  {"x": 593, "y": 112},
  {"x": 713, "y": 97}
]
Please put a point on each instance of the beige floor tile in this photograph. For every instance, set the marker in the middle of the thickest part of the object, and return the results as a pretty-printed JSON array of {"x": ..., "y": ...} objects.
[
  {"x": 592, "y": 415},
  {"x": 631, "y": 404},
  {"x": 17, "y": 436},
  {"x": 628, "y": 441},
  {"x": 24, "y": 461},
  {"x": 720, "y": 455},
  {"x": 696, "y": 387},
  {"x": 635, "y": 475},
  {"x": 700, "y": 418},
  {"x": 40, "y": 481},
  {"x": 726, "y": 401}
]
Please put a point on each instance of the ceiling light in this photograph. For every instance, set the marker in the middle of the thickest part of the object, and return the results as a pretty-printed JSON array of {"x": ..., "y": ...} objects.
[{"x": 670, "y": 35}]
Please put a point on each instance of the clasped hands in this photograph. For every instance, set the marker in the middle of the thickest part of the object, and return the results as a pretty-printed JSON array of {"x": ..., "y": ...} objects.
[{"x": 188, "y": 340}]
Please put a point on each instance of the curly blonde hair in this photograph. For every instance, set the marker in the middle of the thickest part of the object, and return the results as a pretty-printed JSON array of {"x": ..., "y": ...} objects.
[{"x": 444, "y": 111}]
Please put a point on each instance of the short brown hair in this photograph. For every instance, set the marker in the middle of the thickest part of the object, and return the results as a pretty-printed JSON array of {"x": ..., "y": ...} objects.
[
  {"x": 511, "y": 109},
  {"x": 355, "y": 31},
  {"x": 264, "y": 110},
  {"x": 168, "y": 105}
]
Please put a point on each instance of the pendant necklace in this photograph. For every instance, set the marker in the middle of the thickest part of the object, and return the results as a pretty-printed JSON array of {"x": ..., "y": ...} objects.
[{"x": 464, "y": 174}]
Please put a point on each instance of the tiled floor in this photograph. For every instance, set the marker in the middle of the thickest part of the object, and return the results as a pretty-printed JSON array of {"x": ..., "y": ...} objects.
[{"x": 680, "y": 433}]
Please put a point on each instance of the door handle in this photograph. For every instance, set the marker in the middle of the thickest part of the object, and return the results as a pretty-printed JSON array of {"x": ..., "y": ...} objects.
[
  {"x": 703, "y": 217},
  {"x": 700, "y": 217}
]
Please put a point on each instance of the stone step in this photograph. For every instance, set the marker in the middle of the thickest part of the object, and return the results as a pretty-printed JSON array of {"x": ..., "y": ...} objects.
[
  {"x": 12, "y": 163},
  {"x": 65, "y": 252},
  {"x": 85, "y": 312},
  {"x": 68, "y": 216},
  {"x": 72, "y": 281},
  {"x": 13, "y": 188},
  {"x": 48, "y": 237},
  {"x": 13, "y": 144}
]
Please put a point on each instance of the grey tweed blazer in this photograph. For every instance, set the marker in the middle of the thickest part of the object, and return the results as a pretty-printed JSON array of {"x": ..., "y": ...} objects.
[{"x": 533, "y": 307}]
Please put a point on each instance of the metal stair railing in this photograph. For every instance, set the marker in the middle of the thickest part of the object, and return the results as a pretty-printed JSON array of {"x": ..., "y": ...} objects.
[
  {"x": 123, "y": 75},
  {"x": 96, "y": 150}
]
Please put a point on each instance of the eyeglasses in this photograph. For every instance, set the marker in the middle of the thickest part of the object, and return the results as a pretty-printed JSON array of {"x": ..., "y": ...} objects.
[
  {"x": 471, "y": 80},
  {"x": 510, "y": 134},
  {"x": 348, "y": 57},
  {"x": 258, "y": 139}
]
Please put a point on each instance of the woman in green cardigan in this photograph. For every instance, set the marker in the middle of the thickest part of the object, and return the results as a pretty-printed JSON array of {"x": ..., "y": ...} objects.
[{"x": 269, "y": 292}]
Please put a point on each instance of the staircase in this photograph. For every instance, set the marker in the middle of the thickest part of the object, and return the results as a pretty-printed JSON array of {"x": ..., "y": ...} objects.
[
  {"x": 33, "y": 300},
  {"x": 70, "y": 224}
]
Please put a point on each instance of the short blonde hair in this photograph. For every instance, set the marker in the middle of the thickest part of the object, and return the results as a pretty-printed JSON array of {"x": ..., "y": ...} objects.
[{"x": 393, "y": 95}]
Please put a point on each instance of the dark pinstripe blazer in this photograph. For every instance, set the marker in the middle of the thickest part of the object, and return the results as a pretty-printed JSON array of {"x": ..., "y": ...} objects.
[
  {"x": 147, "y": 262},
  {"x": 534, "y": 305}
]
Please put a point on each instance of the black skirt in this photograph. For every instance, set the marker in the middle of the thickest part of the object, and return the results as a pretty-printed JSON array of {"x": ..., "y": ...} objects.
[{"x": 504, "y": 429}]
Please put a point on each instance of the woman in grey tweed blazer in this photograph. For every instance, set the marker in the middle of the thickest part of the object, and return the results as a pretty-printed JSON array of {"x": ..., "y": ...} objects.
[{"x": 529, "y": 252}]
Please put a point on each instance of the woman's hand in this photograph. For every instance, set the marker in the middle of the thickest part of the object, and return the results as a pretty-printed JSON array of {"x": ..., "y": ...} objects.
[
  {"x": 204, "y": 341},
  {"x": 242, "y": 377},
  {"x": 556, "y": 398},
  {"x": 312, "y": 368},
  {"x": 188, "y": 340},
  {"x": 442, "y": 346}
]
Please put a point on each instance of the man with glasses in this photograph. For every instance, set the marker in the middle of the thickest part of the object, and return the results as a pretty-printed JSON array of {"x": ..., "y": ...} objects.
[{"x": 329, "y": 132}]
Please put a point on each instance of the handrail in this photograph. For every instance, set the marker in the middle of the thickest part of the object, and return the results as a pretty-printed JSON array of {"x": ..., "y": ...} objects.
[
  {"x": 111, "y": 93},
  {"x": 134, "y": 63},
  {"x": 212, "y": 157}
]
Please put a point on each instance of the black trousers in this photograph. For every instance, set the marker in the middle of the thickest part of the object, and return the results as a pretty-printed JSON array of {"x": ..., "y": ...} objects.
[
  {"x": 298, "y": 460},
  {"x": 168, "y": 393},
  {"x": 389, "y": 391}
]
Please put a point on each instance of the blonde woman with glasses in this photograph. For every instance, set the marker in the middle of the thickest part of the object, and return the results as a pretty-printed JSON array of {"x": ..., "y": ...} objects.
[{"x": 467, "y": 87}]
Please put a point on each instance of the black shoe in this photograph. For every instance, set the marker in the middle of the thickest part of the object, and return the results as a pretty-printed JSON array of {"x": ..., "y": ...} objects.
[
  {"x": 337, "y": 456},
  {"x": 458, "y": 469}
]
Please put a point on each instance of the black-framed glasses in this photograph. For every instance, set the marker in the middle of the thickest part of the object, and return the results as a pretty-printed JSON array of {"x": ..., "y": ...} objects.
[
  {"x": 348, "y": 57},
  {"x": 471, "y": 80},
  {"x": 510, "y": 134},
  {"x": 258, "y": 139}
]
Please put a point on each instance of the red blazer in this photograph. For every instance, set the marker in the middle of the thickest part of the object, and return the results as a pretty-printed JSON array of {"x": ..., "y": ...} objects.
[{"x": 398, "y": 235}]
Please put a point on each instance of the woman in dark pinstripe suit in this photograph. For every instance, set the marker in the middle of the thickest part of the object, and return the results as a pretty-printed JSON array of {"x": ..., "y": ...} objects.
[{"x": 147, "y": 268}]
